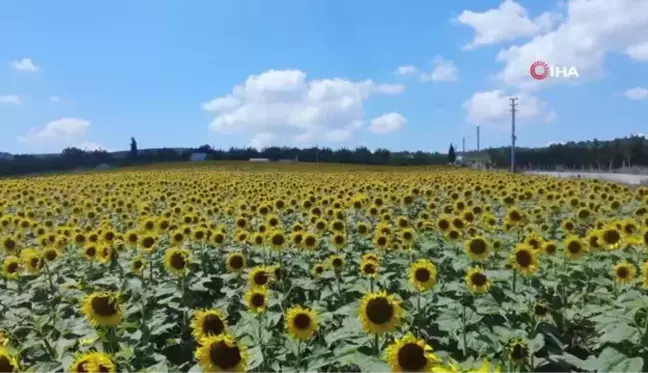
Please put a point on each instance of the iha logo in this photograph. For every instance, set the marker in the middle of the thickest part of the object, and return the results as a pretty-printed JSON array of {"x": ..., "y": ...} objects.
[{"x": 540, "y": 70}]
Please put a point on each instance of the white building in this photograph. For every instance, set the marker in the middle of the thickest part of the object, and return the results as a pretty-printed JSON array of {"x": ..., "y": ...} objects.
[{"x": 259, "y": 160}]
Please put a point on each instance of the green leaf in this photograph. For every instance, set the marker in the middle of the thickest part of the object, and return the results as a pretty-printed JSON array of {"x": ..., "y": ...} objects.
[{"x": 611, "y": 360}]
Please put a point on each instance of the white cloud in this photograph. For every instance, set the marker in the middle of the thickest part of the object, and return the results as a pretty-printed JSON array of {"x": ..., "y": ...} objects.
[
  {"x": 638, "y": 51},
  {"x": 405, "y": 70},
  {"x": 591, "y": 29},
  {"x": 636, "y": 93},
  {"x": 493, "y": 108},
  {"x": 284, "y": 106},
  {"x": 508, "y": 22},
  {"x": 443, "y": 71},
  {"x": 387, "y": 123},
  {"x": 11, "y": 100},
  {"x": 56, "y": 134},
  {"x": 25, "y": 64},
  {"x": 54, "y": 98}
]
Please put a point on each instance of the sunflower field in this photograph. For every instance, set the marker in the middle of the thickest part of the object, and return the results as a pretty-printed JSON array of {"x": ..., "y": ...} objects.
[{"x": 215, "y": 269}]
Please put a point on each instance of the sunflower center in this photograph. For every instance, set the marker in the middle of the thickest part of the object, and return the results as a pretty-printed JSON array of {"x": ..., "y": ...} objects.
[
  {"x": 478, "y": 279},
  {"x": 257, "y": 300},
  {"x": 236, "y": 262},
  {"x": 454, "y": 234},
  {"x": 540, "y": 310},
  {"x": 407, "y": 236},
  {"x": 622, "y": 272},
  {"x": 422, "y": 275},
  {"x": 148, "y": 242},
  {"x": 411, "y": 357},
  {"x": 213, "y": 325},
  {"x": 35, "y": 262},
  {"x": 523, "y": 258},
  {"x": 138, "y": 264},
  {"x": 611, "y": 236},
  {"x": 224, "y": 356},
  {"x": 50, "y": 255},
  {"x": 574, "y": 247},
  {"x": 309, "y": 241},
  {"x": 382, "y": 241},
  {"x": 518, "y": 352},
  {"x": 379, "y": 310},
  {"x": 319, "y": 269},
  {"x": 337, "y": 262},
  {"x": 478, "y": 246},
  {"x": 278, "y": 239},
  {"x": 12, "y": 267},
  {"x": 444, "y": 224},
  {"x": 369, "y": 269},
  {"x": 103, "y": 369},
  {"x": 104, "y": 306},
  {"x": 302, "y": 321},
  {"x": 339, "y": 239},
  {"x": 6, "y": 365},
  {"x": 261, "y": 278},
  {"x": 91, "y": 251},
  {"x": 178, "y": 261}
]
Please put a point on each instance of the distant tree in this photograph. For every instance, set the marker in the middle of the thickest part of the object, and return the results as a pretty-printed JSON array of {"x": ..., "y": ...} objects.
[
  {"x": 133, "y": 148},
  {"x": 452, "y": 156}
]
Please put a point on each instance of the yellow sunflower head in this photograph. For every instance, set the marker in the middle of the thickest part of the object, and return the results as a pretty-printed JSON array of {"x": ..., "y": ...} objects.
[
  {"x": 8, "y": 362},
  {"x": 137, "y": 265},
  {"x": 257, "y": 299},
  {"x": 477, "y": 280},
  {"x": 208, "y": 322},
  {"x": 176, "y": 261},
  {"x": 575, "y": 247},
  {"x": 301, "y": 323},
  {"x": 518, "y": 351},
  {"x": 317, "y": 270},
  {"x": 624, "y": 272},
  {"x": 32, "y": 261},
  {"x": 423, "y": 274},
  {"x": 102, "y": 309},
  {"x": 310, "y": 241},
  {"x": 478, "y": 248},
  {"x": 524, "y": 259},
  {"x": 236, "y": 262},
  {"x": 221, "y": 353},
  {"x": 410, "y": 354},
  {"x": 336, "y": 263},
  {"x": 93, "y": 362},
  {"x": 540, "y": 310},
  {"x": 369, "y": 268},
  {"x": 11, "y": 267},
  {"x": 380, "y": 313},
  {"x": 259, "y": 276}
]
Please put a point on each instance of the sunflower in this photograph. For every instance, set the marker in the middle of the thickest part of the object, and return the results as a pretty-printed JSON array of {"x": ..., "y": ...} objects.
[
  {"x": 524, "y": 259},
  {"x": 408, "y": 235},
  {"x": 317, "y": 270},
  {"x": 8, "y": 362},
  {"x": 370, "y": 257},
  {"x": 339, "y": 240},
  {"x": 102, "y": 309},
  {"x": 409, "y": 354},
  {"x": 51, "y": 254},
  {"x": 610, "y": 237},
  {"x": 147, "y": 242},
  {"x": 93, "y": 362},
  {"x": 221, "y": 353},
  {"x": 11, "y": 267},
  {"x": 236, "y": 262},
  {"x": 423, "y": 274},
  {"x": 380, "y": 313},
  {"x": 208, "y": 322},
  {"x": 540, "y": 310},
  {"x": 176, "y": 261},
  {"x": 336, "y": 263},
  {"x": 301, "y": 323},
  {"x": 453, "y": 235},
  {"x": 644, "y": 272},
  {"x": 443, "y": 223},
  {"x": 381, "y": 241},
  {"x": 259, "y": 276},
  {"x": 257, "y": 299},
  {"x": 477, "y": 280},
  {"x": 369, "y": 268},
  {"x": 574, "y": 247},
  {"x": 32, "y": 261},
  {"x": 310, "y": 241},
  {"x": 486, "y": 368},
  {"x": 624, "y": 272},
  {"x": 518, "y": 351},
  {"x": 478, "y": 248},
  {"x": 277, "y": 239},
  {"x": 137, "y": 264},
  {"x": 549, "y": 247}
]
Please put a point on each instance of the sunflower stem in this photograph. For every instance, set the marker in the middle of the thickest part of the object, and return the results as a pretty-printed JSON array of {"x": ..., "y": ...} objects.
[
  {"x": 339, "y": 292},
  {"x": 463, "y": 329},
  {"x": 514, "y": 279},
  {"x": 646, "y": 323},
  {"x": 299, "y": 353},
  {"x": 417, "y": 319},
  {"x": 377, "y": 345},
  {"x": 371, "y": 284}
]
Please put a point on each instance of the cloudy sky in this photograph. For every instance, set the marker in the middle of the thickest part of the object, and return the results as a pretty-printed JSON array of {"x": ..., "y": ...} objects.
[{"x": 405, "y": 75}]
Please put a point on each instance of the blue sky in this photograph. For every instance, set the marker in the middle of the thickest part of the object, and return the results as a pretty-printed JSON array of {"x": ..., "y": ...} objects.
[{"x": 90, "y": 74}]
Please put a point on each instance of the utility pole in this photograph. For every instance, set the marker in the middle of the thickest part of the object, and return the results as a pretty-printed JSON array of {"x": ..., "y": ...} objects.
[
  {"x": 478, "y": 138},
  {"x": 463, "y": 150},
  {"x": 513, "y": 110}
]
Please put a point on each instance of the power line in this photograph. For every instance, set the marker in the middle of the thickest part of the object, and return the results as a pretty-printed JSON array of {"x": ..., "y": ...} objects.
[{"x": 513, "y": 138}]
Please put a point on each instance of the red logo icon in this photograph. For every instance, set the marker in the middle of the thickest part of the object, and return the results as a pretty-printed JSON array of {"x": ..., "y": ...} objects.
[{"x": 539, "y": 70}]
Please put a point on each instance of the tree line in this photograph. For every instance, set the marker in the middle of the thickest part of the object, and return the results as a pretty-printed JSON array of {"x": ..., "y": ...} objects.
[{"x": 629, "y": 151}]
